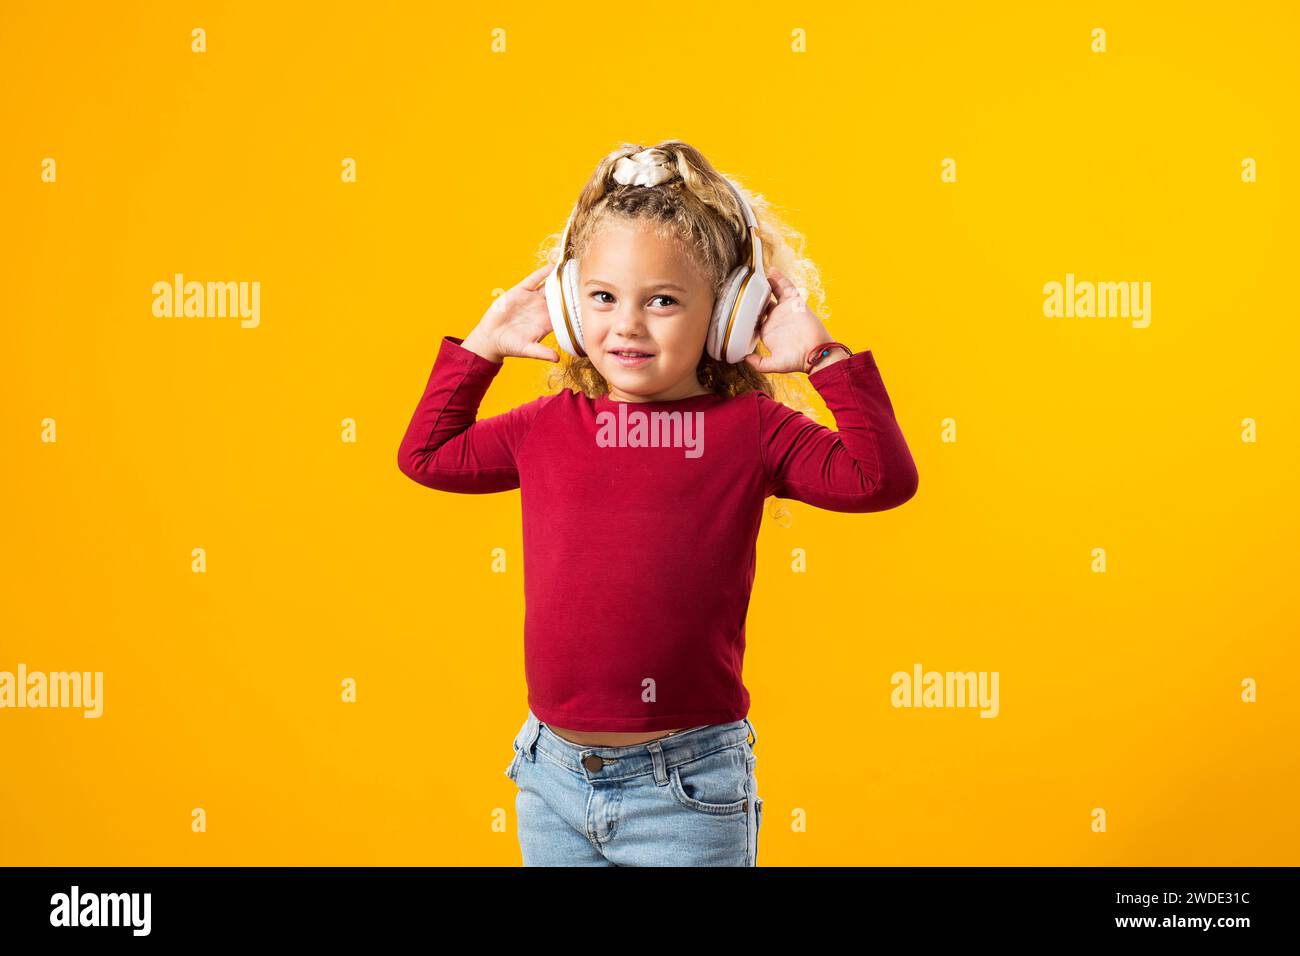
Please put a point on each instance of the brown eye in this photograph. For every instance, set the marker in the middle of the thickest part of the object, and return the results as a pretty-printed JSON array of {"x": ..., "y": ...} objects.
[{"x": 669, "y": 298}]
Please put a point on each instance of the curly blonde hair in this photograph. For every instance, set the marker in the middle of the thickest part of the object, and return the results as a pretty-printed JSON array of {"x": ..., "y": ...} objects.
[{"x": 699, "y": 211}]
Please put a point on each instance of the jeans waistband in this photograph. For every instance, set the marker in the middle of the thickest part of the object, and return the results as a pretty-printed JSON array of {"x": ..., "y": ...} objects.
[{"x": 618, "y": 763}]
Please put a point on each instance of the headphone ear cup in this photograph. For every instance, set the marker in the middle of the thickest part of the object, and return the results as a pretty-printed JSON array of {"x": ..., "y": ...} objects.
[
  {"x": 558, "y": 301},
  {"x": 555, "y": 307},
  {"x": 754, "y": 297},
  {"x": 722, "y": 314},
  {"x": 570, "y": 280}
]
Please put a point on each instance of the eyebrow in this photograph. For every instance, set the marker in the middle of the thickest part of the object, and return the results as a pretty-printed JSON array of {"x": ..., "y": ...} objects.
[{"x": 648, "y": 286}]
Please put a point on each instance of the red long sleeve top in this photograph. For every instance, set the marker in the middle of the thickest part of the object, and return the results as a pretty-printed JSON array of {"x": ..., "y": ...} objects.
[{"x": 640, "y": 523}]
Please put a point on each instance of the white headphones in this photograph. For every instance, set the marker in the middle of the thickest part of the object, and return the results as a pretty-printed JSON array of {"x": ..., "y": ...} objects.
[{"x": 733, "y": 329}]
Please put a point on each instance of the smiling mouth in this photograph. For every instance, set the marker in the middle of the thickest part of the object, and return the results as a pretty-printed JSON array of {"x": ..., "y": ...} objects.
[{"x": 631, "y": 358}]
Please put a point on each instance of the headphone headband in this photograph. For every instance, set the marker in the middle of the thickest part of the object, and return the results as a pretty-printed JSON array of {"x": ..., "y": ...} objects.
[{"x": 751, "y": 223}]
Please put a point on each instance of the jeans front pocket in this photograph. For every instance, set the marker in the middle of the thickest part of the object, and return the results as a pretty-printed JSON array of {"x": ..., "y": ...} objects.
[
  {"x": 713, "y": 784},
  {"x": 512, "y": 771}
]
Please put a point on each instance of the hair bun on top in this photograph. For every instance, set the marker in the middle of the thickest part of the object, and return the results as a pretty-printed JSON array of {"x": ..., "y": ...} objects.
[{"x": 650, "y": 167}]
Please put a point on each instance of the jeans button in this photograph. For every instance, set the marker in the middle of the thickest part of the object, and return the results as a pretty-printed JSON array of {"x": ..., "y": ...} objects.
[{"x": 593, "y": 762}]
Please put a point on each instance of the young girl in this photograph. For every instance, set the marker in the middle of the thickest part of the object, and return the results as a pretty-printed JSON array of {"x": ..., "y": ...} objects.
[{"x": 636, "y": 750}]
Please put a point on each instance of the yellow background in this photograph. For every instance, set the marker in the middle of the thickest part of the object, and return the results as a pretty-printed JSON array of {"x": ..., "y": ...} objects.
[{"x": 1118, "y": 690}]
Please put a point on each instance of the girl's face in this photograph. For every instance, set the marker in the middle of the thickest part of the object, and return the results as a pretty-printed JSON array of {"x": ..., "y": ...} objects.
[{"x": 640, "y": 293}]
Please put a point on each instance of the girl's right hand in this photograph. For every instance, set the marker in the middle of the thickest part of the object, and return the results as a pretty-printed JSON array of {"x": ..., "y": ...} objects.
[{"x": 515, "y": 322}]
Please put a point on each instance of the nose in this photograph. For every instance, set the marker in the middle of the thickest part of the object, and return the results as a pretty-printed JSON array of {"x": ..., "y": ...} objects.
[{"x": 628, "y": 322}]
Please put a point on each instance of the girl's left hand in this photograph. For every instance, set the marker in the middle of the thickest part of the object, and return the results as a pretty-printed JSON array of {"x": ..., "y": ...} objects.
[{"x": 788, "y": 328}]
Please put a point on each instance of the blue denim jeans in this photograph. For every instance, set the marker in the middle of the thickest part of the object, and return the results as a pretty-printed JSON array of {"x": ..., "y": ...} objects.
[{"x": 686, "y": 800}]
